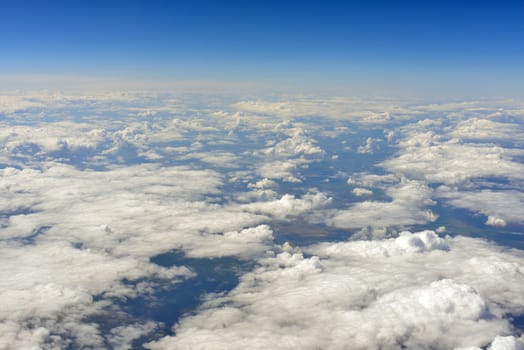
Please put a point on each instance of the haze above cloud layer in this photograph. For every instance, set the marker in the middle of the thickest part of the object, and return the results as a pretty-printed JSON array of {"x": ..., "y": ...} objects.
[
  {"x": 432, "y": 48},
  {"x": 286, "y": 218}
]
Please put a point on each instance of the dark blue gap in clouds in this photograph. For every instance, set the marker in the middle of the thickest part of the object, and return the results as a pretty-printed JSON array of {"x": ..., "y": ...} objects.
[
  {"x": 517, "y": 321},
  {"x": 170, "y": 302},
  {"x": 300, "y": 233},
  {"x": 28, "y": 238},
  {"x": 459, "y": 221}
]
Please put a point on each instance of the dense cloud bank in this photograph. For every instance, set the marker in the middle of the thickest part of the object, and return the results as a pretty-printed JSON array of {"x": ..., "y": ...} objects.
[
  {"x": 93, "y": 187},
  {"x": 445, "y": 293}
]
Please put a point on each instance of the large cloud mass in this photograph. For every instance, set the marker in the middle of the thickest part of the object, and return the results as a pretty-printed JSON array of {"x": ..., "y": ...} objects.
[
  {"x": 96, "y": 189},
  {"x": 446, "y": 292}
]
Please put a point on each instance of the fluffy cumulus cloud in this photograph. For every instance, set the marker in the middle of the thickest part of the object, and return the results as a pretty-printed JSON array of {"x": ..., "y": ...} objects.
[
  {"x": 281, "y": 169},
  {"x": 362, "y": 192},
  {"x": 73, "y": 239},
  {"x": 50, "y": 288},
  {"x": 246, "y": 243},
  {"x": 288, "y": 205},
  {"x": 500, "y": 207},
  {"x": 366, "y": 111},
  {"x": 297, "y": 144},
  {"x": 369, "y": 146},
  {"x": 486, "y": 129},
  {"x": 122, "y": 337},
  {"x": 410, "y": 204},
  {"x": 281, "y": 159},
  {"x": 477, "y": 161},
  {"x": 86, "y": 235},
  {"x": 426, "y": 156},
  {"x": 447, "y": 292},
  {"x": 50, "y": 136}
]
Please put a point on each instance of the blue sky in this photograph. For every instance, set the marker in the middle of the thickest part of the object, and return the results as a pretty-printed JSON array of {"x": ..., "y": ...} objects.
[{"x": 465, "y": 43}]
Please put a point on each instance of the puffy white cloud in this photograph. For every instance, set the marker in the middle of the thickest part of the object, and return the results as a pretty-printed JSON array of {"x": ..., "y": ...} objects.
[
  {"x": 369, "y": 146},
  {"x": 41, "y": 139},
  {"x": 405, "y": 244},
  {"x": 50, "y": 288},
  {"x": 416, "y": 291},
  {"x": 263, "y": 184},
  {"x": 70, "y": 236},
  {"x": 372, "y": 180},
  {"x": 495, "y": 221},
  {"x": 506, "y": 343},
  {"x": 409, "y": 205},
  {"x": 424, "y": 156},
  {"x": 368, "y": 111},
  {"x": 122, "y": 337},
  {"x": 297, "y": 144},
  {"x": 281, "y": 169},
  {"x": 288, "y": 205},
  {"x": 500, "y": 206},
  {"x": 281, "y": 159},
  {"x": 86, "y": 231},
  {"x": 481, "y": 129},
  {"x": 81, "y": 232},
  {"x": 358, "y": 191},
  {"x": 480, "y": 177},
  {"x": 245, "y": 244}
]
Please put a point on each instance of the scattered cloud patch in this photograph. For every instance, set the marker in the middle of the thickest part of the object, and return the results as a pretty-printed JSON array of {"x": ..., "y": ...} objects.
[
  {"x": 409, "y": 205},
  {"x": 358, "y": 191}
]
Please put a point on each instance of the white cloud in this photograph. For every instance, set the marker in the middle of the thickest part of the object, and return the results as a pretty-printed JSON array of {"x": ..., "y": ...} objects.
[
  {"x": 71, "y": 235},
  {"x": 358, "y": 191},
  {"x": 245, "y": 244},
  {"x": 480, "y": 129},
  {"x": 118, "y": 219},
  {"x": 281, "y": 169},
  {"x": 507, "y": 343},
  {"x": 369, "y": 146},
  {"x": 288, "y": 205},
  {"x": 297, "y": 144},
  {"x": 495, "y": 221},
  {"x": 263, "y": 184},
  {"x": 424, "y": 156},
  {"x": 221, "y": 159},
  {"x": 405, "y": 244},
  {"x": 280, "y": 160},
  {"x": 50, "y": 137},
  {"x": 122, "y": 337},
  {"x": 372, "y": 180},
  {"x": 446, "y": 292},
  {"x": 480, "y": 177},
  {"x": 409, "y": 205},
  {"x": 88, "y": 230},
  {"x": 51, "y": 286},
  {"x": 500, "y": 206},
  {"x": 367, "y": 111}
]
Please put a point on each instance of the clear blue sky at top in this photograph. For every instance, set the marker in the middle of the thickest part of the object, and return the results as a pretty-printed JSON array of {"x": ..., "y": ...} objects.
[{"x": 262, "y": 39}]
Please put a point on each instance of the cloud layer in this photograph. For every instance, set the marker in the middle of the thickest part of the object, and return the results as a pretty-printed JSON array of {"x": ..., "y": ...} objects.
[
  {"x": 94, "y": 186},
  {"x": 447, "y": 292}
]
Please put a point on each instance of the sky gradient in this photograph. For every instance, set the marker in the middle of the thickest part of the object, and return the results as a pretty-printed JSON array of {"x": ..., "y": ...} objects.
[{"x": 462, "y": 44}]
